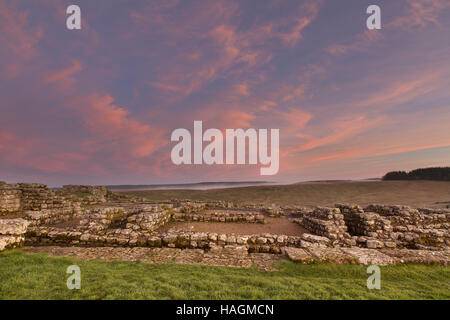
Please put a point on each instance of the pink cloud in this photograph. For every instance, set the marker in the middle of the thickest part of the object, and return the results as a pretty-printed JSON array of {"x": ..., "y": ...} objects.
[
  {"x": 108, "y": 121},
  {"x": 415, "y": 148},
  {"x": 420, "y": 13},
  {"x": 308, "y": 13},
  {"x": 64, "y": 74},
  {"x": 341, "y": 129},
  {"x": 293, "y": 119},
  {"x": 228, "y": 50},
  {"x": 17, "y": 35},
  {"x": 407, "y": 88},
  {"x": 361, "y": 42}
]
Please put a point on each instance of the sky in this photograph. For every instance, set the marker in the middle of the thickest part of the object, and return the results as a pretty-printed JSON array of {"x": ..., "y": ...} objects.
[{"x": 98, "y": 105}]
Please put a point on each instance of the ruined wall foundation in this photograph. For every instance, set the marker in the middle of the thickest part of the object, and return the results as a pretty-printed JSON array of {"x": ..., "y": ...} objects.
[{"x": 86, "y": 216}]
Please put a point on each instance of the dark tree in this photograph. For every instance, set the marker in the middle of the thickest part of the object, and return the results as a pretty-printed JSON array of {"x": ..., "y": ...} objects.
[{"x": 439, "y": 173}]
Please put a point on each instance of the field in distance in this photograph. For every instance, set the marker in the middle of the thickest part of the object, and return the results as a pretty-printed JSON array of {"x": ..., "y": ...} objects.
[{"x": 434, "y": 194}]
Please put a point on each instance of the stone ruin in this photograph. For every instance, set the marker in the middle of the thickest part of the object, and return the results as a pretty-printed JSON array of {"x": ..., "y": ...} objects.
[
  {"x": 380, "y": 226},
  {"x": 87, "y": 216}
]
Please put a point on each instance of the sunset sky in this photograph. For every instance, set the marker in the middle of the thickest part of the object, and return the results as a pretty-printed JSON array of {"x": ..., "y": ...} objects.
[{"x": 98, "y": 105}]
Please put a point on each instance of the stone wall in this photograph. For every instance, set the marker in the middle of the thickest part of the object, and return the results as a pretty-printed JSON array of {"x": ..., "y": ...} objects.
[
  {"x": 31, "y": 197},
  {"x": 191, "y": 206},
  {"x": 433, "y": 211},
  {"x": 268, "y": 243},
  {"x": 53, "y": 216},
  {"x": 362, "y": 223},
  {"x": 270, "y": 210},
  {"x": 100, "y": 219},
  {"x": 326, "y": 222},
  {"x": 21, "y": 197},
  {"x": 274, "y": 211},
  {"x": 149, "y": 219},
  {"x": 97, "y": 220},
  {"x": 10, "y": 198},
  {"x": 404, "y": 217},
  {"x": 233, "y": 205},
  {"x": 85, "y": 194},
  {"x": 220, "y": 216},
  {"x": 37, "y": 196},
  {"x": 379, "y": 226}
]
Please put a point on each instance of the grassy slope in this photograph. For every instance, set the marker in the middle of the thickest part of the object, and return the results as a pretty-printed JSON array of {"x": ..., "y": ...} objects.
[
  {"x": 413, "y": 193},
  {"x": 26, "y": 276}
]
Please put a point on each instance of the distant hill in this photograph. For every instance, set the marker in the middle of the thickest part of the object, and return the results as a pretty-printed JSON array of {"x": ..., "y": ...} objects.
[
  {"x": 199, "y": 185},
  {"x": 437, "y": 173},
  {"x": 336, "y": 181}
]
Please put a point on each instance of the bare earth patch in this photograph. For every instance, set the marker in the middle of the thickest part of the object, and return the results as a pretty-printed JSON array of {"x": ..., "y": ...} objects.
[{"x": 273, "y": 226}]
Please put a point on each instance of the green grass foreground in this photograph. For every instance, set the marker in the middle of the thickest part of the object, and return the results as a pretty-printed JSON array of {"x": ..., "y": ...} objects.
[{"x": 31, "y": 276}]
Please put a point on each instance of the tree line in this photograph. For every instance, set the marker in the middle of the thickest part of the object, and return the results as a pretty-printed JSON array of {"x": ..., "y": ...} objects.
[{"x": 438, "y": 173}]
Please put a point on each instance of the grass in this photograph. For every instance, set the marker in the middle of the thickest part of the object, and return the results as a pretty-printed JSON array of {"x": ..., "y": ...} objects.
[
  {"x": 412, "y": 193},
  {"x": 37, "y": 276}
]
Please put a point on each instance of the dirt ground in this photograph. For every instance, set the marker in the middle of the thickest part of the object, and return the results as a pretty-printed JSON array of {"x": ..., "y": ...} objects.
[{"x": 273, "y": 226}]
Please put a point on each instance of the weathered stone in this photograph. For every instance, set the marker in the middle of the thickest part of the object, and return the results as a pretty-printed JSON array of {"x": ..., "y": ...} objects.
[
  {"x": 420, "y": 256},
  {"x": 297, "y": 254},
  {"x": 332, "y": 255},
  {"x": 13, "y": 226},
  {"x": 374, "y": 244},
  {"x": 315, "y": 239},
  {"x": 10, "y": 241},
  {"x": 369, "y": 256}
]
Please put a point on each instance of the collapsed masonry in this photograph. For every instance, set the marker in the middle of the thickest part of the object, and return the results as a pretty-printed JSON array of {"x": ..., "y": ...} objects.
[
  {"x": 12, "y": 233},
  {"x": 94, "y": 217}
]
